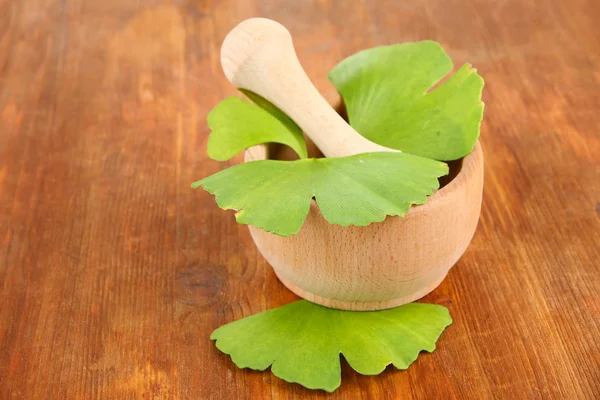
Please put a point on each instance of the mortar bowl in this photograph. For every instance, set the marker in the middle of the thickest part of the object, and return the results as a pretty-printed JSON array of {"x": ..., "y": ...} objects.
[{"x": 381, "y": 265}]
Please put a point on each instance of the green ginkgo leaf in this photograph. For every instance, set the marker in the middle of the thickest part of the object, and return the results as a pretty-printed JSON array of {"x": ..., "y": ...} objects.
[
  {"x": 237, "y": 124},
  {"x": 302, "y": 341},
  {"x": 355, "y": 190},
  {"x": 385, "y": 90}
]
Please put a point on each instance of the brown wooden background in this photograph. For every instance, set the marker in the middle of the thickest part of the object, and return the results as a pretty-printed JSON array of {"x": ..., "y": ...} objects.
[{"x": 113, "y": 272}]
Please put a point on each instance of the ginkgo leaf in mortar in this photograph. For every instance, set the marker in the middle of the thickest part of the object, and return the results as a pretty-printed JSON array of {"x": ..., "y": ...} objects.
[
  {"x": 385, "y": 90},
  {"x": 302, "y": 341},
  {"x": 237, "y": 124},
  {"x": 355, "y": 190}
]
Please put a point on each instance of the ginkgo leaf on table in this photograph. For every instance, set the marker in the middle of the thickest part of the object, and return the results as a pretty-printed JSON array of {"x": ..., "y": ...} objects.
[
  {"x": 387, "y": 94},
  {"x": 237, "y": 124},
  {"x": 355, "y": 190},
  {"x": 302, "y": 341}
]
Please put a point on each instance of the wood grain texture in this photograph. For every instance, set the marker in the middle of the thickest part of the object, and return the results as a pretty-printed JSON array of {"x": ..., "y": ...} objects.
[{"x": 113, "y": 272}]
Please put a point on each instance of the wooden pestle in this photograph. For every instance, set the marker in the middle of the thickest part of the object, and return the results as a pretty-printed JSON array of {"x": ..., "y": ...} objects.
[{"x": 258, "y": 55}]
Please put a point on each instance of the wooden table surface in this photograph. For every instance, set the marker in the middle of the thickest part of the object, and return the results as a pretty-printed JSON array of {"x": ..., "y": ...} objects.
[{"x": 113, "y": 272}]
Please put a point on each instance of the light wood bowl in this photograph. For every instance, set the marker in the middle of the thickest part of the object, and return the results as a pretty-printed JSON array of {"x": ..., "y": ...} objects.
[{"x": 384, "y": 264}]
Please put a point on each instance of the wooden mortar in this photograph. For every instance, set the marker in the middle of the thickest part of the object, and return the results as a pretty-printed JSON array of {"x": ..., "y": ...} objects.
[
  {"x": 378, "y": 266},
  {"x": 384, "y": 264}
]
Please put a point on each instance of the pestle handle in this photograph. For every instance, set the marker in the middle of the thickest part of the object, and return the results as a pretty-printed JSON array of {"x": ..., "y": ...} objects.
[{"x": 258, "y": 55}]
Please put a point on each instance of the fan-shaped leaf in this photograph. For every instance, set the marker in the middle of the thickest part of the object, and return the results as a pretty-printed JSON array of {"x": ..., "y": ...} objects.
[
  {"x": 385, "y": 92},
  {"x": 302, "y": 341},
  {"x": 237, "y": 124},
  {"x": 356, "y": 190}
]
